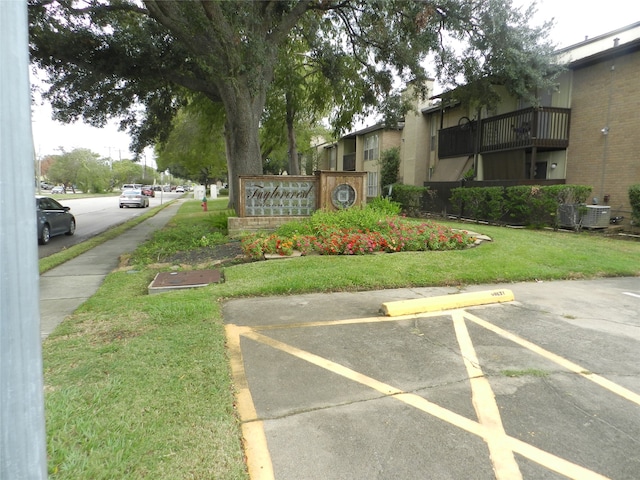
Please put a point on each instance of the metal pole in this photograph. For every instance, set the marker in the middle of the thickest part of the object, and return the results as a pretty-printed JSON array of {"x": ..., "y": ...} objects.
[{"x": 22, "y": 426}]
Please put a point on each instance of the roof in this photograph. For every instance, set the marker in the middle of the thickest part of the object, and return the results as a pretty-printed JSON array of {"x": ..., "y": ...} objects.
[
  {"x": 600, "y": 45},
  {"x": 616, "y": 51},
  {"x": 373, "y": 128}
]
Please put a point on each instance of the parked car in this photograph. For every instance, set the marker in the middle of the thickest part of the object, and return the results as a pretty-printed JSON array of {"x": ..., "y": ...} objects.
[
  {"x": 133, "y": 198},
  {"x": 148, "y": 191},
  {"x": 58, "y": 189},
  {"x": 53, "y": 219},
  {"x": 166, "y": 188},
  {"x": 179, "y": 189}
]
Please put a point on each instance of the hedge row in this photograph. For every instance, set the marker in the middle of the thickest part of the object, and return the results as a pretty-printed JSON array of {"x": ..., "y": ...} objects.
[
  {"x": 634, "y": 200},
  {"x": 409, "y": 197},
  {"x": 530, "y": 205}
]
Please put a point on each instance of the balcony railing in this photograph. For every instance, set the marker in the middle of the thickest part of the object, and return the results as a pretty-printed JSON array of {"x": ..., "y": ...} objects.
[
  {"x": 532, "y": 127},
  {"x": 456, "y": 141}
]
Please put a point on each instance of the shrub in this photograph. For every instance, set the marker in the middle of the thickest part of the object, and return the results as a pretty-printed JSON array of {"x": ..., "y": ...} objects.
[
  {"x": 530, "y": 205},
  {"x": 480, "y": 203},
  {"x": 634, "y": 200},
  {"x": 569, "y": 194},
  {"x": 409, "y": 197},
  {"x": 220, "y": 220},
  {"x": 385, "y": 206},
  {"x": 389, "y": 166}
]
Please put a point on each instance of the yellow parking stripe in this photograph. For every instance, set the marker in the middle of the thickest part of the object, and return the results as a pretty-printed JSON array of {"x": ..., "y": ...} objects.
[
  {"x": 545, "y": 459},
  {"x": 346, "y": 321},
  {"x": 484, "y": 403},
  {"x": 563, "y": 362},
  {"x": 255, "y": 441},
  {"x": 324, "y": 363},
  {"x": 489, "y": 427}
]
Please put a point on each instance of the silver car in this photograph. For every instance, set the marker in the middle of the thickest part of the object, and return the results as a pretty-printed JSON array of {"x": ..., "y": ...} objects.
[{"x": 133, "y": 198}]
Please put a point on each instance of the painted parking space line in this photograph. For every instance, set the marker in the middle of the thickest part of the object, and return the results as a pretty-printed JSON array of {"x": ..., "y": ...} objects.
[
  {"x": 489, "y": 425},
  {"x": 631, "y": 294},
  {"x": 486, "y": 407},
  {"x": 255, "y": 441},
  {"x": 563, "y": 362}
]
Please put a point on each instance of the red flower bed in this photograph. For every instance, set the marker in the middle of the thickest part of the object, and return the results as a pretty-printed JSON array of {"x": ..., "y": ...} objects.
[{"x": 394, "y": 234}]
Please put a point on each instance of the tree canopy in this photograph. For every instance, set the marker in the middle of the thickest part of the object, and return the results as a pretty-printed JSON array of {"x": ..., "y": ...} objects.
[
  {"x": 137, "y": 60},
  {"x": 194, "y": 149},
  {"x": 80, "y": 168}
]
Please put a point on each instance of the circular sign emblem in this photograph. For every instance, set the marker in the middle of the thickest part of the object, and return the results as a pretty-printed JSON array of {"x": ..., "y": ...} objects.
[{"x": 343, "y": 196}]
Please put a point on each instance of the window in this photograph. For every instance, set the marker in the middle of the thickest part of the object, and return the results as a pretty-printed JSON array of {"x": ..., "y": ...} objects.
[
  {"x": 372, "y": 184},
  {"x": 371, "y": 147}
]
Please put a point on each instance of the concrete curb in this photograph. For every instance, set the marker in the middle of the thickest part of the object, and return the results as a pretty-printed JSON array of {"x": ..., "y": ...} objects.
[{"x": 446, "y": 302}]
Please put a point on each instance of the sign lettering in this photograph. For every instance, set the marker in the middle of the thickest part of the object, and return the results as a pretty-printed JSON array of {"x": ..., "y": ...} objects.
[{"x": 280, "y": 197}]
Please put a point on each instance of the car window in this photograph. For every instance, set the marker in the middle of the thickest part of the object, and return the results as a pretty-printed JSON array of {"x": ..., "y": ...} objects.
[
  {"x": 55, "y": 205},
  {"x": 47, "y": 204}
]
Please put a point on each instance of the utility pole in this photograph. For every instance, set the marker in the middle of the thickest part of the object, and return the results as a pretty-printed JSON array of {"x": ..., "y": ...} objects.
[{"x": 23, "y": 452}]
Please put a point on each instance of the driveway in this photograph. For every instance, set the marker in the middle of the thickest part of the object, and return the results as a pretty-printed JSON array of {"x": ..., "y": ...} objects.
[{"x": 546, "y": 386}]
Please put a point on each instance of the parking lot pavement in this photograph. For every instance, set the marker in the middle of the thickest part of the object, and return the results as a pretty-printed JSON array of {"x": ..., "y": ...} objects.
[{"x": 546, "y": 386}]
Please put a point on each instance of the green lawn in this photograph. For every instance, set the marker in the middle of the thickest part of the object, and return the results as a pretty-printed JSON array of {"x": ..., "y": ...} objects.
[{"x": 139, "y": 386}]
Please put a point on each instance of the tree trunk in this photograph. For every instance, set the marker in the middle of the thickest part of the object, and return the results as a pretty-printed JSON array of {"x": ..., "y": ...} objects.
[
  {"x": 243, "y": 112},
  {"x": 294, "y": 165}
]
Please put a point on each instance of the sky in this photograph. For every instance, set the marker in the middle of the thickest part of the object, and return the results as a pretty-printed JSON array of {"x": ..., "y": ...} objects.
[{"x": 574, "y": 20}]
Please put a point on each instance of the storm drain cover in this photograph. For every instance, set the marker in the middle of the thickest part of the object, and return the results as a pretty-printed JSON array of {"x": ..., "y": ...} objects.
[{"x": 165, "y": 281}]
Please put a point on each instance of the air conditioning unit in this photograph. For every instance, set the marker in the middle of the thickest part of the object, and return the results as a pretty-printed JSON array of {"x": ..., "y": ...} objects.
[
  {"x": 586, "y": 216},
  {"x": 597, "y": 216},
  {"x": 569, "y": 215}
]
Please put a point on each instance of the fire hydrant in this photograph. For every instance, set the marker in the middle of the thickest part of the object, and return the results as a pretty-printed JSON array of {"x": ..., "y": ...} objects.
[{"x": 204, "y": 203}]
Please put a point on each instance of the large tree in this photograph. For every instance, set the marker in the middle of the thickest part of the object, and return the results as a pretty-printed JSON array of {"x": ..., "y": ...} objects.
[
  {"x": 195, "y": 148},
  {"x": 81, "y": 168},
  {"x": 109, "y": 58}
]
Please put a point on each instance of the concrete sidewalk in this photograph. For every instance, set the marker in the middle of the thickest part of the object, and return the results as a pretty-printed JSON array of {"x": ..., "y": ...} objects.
[{"x": 64, "y": 288}]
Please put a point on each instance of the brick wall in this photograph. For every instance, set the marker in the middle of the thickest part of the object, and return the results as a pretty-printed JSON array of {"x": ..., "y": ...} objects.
[{"x": 606, "y": 94}]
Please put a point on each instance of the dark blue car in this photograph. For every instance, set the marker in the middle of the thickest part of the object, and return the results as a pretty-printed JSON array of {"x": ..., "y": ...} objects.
[{"x": 53, "y": 219}]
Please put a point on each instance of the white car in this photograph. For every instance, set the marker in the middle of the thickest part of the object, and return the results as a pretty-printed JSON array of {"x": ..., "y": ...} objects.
[
  {"x": 179, "y": 189},
  {"x": 133, "y": 198},
  {"x": 58, "y": 189}
]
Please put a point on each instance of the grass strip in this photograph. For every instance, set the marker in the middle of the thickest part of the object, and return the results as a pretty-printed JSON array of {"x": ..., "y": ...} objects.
[
  {"x": 47, "y": 263},
  {"x": 138, "y": 386}
]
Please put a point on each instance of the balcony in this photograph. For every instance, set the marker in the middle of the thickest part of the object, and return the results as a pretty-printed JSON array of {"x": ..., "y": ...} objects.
[
  {"x": 542, "y": 128},
  {"x": 456, "y": 141}
]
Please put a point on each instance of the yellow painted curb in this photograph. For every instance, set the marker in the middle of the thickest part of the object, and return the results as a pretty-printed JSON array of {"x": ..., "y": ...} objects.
[{"x": 445, "y": 302}]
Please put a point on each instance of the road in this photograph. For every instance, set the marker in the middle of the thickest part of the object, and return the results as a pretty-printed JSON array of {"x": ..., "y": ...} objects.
[{"x": 96, "y": 215}]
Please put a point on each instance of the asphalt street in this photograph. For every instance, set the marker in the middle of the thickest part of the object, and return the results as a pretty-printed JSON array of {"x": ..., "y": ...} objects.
[{"x": 546, "y": 386}]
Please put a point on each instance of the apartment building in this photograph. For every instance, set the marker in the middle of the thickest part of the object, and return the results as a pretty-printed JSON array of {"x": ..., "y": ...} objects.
[{"x": 582, "y": 132}]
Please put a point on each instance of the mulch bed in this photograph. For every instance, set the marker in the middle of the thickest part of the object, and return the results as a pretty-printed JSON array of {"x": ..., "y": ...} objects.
[{"x": 225, "y": 254}]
